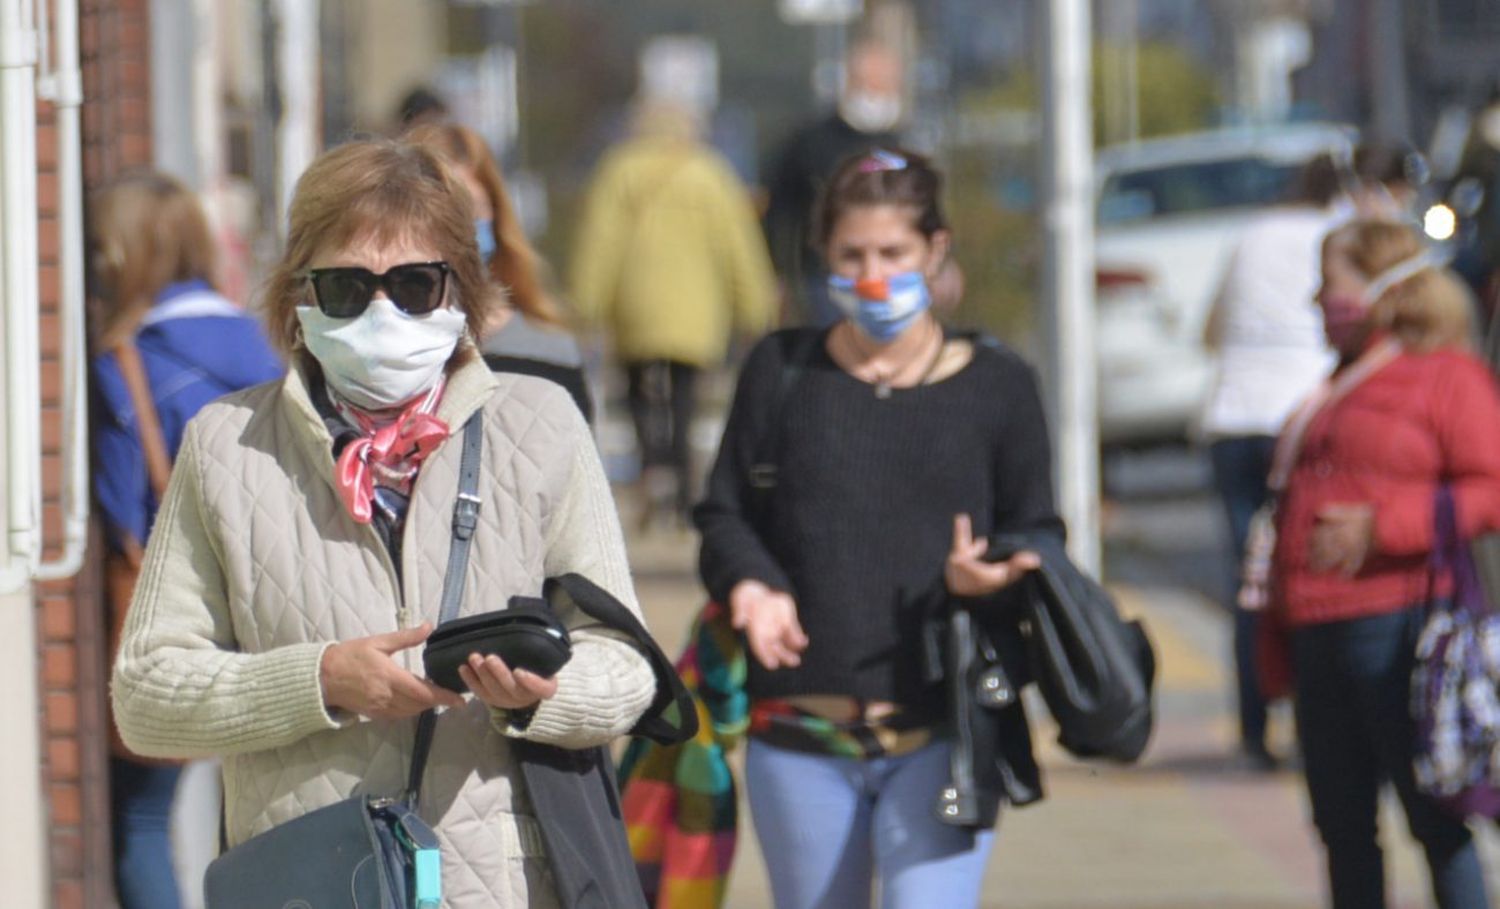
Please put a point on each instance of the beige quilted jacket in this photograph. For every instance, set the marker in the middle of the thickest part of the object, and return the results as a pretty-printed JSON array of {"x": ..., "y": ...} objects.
[{"x": 254, "y": 568}]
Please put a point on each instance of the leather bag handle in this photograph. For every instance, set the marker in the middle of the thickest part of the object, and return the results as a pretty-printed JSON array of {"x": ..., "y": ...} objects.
[{"x": 148, "y": 423}]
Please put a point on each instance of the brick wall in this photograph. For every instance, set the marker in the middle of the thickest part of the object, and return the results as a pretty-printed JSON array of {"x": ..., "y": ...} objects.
[{"x": 115, "y": 47}]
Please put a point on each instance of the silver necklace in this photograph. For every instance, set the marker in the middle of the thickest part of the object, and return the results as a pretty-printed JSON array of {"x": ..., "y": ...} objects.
[{"x": 882, "y": 383}]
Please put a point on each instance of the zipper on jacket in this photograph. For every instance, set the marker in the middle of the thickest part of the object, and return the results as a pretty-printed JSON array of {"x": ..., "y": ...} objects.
[
  {"x": 327, "y": 458},
  {"x": 393, "y": 574}
]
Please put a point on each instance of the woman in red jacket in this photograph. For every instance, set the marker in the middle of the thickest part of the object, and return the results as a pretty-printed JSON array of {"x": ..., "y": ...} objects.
[{"x": 1405, "y": 411}]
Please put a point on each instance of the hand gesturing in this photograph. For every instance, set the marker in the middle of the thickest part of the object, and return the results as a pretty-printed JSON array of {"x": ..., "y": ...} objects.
[
  {"x": 967, "y": 574},
  {"x": 769, "y": 619}
]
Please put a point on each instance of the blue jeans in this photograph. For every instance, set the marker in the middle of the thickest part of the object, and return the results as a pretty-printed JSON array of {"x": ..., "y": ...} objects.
[
  {"x": 141, "y": 797},
  {"x": 1354, "y": 720},
  {"x": 1241, "y": 466},
  {"x": 828, "y": 825}
]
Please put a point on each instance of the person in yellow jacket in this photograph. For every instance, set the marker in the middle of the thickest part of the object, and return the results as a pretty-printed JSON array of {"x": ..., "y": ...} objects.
[{"x": 669, "y": 261}]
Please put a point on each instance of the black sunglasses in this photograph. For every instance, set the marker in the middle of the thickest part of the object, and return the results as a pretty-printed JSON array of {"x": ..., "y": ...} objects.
[{"x": 415, "y": 288}]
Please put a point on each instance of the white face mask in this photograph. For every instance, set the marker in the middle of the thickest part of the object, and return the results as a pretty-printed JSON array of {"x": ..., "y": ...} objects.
[
  {"x": 870, "y": 112},
  {"x": 382, "y": 357}
]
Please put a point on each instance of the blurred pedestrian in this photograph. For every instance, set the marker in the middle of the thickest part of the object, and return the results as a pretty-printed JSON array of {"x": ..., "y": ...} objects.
[
  {"x": 420, "y": 106},
  {"x": 1406, "y": 411},
  {"x": 1383, "y": 180},
  {"x": 167, "y": 343},
  {"x": 669, "y": 261},
  {"x": 896, "y": 449},
  {"x": 1267, "y": 333},
  {"x": 527, "y": 334},
  {"x": 303, "y": 547},
  {"x": 870, "y": 111}
]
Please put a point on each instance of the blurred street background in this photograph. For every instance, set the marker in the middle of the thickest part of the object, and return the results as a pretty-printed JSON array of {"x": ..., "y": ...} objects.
[{"x": 1198, "y": 112}]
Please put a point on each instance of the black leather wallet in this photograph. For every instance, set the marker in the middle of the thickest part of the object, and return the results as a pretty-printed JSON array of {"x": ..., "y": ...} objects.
[{"x": 526, "y": 635}]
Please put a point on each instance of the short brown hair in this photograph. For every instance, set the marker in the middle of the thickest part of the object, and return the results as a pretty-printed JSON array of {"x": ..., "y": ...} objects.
[
  {"x": 386, "y": 190},
  {"x": 147, "y": 231},
  {"x": 515, "y": 262},
  {"x": 1426, "y": 311},
  {"x": 883, "y": 177}
]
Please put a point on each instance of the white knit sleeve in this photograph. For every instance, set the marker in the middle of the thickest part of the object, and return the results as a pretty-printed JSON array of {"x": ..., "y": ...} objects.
[
  {"x": 608, "y": 683},
  {"x": 180, "y": 688}
]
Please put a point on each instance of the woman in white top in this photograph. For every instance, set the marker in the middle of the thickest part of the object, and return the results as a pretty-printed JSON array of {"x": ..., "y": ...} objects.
[{"x": 1268, "y": 334}]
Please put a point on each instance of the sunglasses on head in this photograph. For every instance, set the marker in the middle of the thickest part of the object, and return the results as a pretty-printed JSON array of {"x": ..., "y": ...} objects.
[{"x": 415, "y": 288}]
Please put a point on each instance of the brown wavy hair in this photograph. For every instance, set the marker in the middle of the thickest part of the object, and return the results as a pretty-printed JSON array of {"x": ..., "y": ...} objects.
[
  {"x": 384, "y": 190},
  {"x": 1431, "y": 309},
  {"x": 865, "y": 180},
  {"x": 146, "y": 231},
  {"x": 515, "y": 263}
]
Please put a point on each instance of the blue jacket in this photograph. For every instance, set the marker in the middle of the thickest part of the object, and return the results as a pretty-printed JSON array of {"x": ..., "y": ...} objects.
[{"x": 196, "y": 346}]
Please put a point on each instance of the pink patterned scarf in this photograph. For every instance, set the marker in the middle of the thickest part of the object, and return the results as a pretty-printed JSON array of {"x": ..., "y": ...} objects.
[{"x": 390, "y": 451}]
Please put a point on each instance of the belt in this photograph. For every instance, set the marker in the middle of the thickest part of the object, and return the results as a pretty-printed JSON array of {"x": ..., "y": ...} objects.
[{"x": 838, "y": 726}]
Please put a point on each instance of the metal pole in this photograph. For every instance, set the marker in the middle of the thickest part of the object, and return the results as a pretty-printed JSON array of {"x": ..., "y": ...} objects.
[
  {"x": 1132, "y": 70},
  {"x": 24, "y": 860},
  {"x": 297, "y": 70},
  {"x": 1111, "y": 97},
  {"x": 1068, "y": 270},
  {"x": 65, "y": 89},
  {"x": 18, "y": 284}
]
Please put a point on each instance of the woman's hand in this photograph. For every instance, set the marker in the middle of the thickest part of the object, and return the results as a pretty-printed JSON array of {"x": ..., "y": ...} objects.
[
  {"x": 500, "y": 686},
  {"x": 967, "y": 574},
  {"x": 769, "y": 619},
  {"x": 1342, "y": 537},
  {"x": 360, "y": 676}
]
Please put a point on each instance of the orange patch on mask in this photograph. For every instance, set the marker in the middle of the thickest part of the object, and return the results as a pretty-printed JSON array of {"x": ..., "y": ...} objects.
[{"x": 872, "y": 288}]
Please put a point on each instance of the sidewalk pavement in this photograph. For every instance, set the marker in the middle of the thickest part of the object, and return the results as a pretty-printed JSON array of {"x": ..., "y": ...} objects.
[{"x": 1184, "y": 829}]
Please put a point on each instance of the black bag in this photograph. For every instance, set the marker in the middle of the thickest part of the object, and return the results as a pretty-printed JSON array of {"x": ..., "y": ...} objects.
[
  {"x": 1094, "y": 670},
  {"x": 526, "y": 635},
  {"x": 363, "y": 852}
]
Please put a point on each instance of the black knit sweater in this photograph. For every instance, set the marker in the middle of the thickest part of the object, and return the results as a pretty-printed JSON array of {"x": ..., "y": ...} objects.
[{"x": 860, "y": 522}]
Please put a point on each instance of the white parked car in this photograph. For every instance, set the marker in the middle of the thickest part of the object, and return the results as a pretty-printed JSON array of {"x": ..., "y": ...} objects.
[{"x": 1169, "y": 213}]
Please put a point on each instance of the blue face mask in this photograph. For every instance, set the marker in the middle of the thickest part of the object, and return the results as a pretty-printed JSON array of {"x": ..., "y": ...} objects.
[
  {"x": 882, "y": 309},
  {"x": 484, "y": 232}
]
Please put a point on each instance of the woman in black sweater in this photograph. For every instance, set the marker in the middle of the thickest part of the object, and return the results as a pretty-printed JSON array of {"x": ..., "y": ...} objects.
[{"x": 862, "y": 470}]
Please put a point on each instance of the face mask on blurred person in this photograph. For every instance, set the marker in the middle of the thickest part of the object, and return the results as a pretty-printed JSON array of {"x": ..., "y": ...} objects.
[
  {"x": 1344, "y": 319},
  {"x": 870, "y": 112},
  {"x": 882, "y": 308},
  {"x": 1345, "y": 316},
  {"x": 382, "y": 357},
  {"x": 484, "y": 233}
]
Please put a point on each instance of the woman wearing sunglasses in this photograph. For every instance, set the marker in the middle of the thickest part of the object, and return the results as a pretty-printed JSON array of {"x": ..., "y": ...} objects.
[{"x": 299, "y": 560}]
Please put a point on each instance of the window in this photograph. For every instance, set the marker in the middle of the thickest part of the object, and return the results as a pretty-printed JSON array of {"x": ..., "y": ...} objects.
[{"x": 1191, "y": 188}]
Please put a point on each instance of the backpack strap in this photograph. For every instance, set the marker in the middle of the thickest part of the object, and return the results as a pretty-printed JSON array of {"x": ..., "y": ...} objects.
[
  {"x": 672, "y": 717},
  {"x": 762, "y": 477},
  {"x": 147, "y": 421}
]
